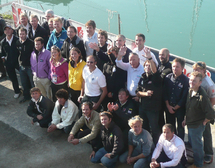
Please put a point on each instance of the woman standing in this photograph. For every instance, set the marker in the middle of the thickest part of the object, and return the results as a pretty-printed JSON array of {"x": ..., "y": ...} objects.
[
  {"x": 76, "y": 66},
  {"x": 59, "y": 71}
]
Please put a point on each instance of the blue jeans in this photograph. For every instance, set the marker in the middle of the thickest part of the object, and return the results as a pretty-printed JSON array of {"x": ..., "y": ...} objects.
[
  {"x": 142, "y": 162},
  {"x": 195, "y": 138},
  {"x": 100, "y": 158},
  {"x": 26, "y": 77}
]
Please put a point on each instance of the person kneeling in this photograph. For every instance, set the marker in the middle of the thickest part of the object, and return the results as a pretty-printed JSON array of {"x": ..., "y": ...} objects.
[
  {"x": 112, "y": 140},
  {"x": 140, "y": 144},
  {"x": 40, "y": 108},
  {"x": 65, "y": 113},
  {"x": 170, "y": 150}
]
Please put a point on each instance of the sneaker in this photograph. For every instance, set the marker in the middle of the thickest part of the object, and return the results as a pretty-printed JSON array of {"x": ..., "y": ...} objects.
[
  {"x": 192, "y": 166},
  {"x": 208, "y": 159},
  {"x": 16, "y": 96}
]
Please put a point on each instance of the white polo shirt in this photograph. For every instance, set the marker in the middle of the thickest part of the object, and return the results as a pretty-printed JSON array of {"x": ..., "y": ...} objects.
[
  {"x": 142, "y": 58},
  {"x": 88, "y": 40},
  {"x": 94, "y": 81},
  {"x": 133, "y": 75}
]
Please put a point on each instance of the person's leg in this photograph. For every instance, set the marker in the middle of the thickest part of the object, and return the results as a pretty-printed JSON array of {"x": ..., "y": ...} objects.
[
  {"x": 170, "y": 119},
  {"x": 143, "y": 115},
  {"x": 109, "y": 162},
  {"x": 68, "y": 128},
  {"x": 84, "y": 133},
  {"x": 45, "y": 122},
  {"x": 13, "y": 77},
  {"x": 123, "y": 157},
  {"x": 38, "y": 83},
  {"x": 197, "y": 144},
  {"x": 2, "y": 69},
  {"x": 47, "y": 87},
  {"x": 99, "y": 154},
  {"x": 180, "y": 117},
  {"x": 141, "y": 163},
  {"x": 30, "y": 76},
  {"x": 74, "y": 96},
  {"x": 208, "y": 143},
  {"x": 25, "y": 82}
]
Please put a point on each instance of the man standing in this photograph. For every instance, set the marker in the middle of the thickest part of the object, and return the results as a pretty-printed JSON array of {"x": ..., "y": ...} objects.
[
  {"x": 58, "y": 35},
  {"x": 40, "y": 67},
  {"x": 90, "y": 36},
  {"x": 140, "y": 144},
  {"x": 92, "y": 121},
  {"x": 169, "y": 151},
  {"x": 65, "y": 113},
  {"x": 40, "y": 108},
  {"x": 112, "y": 140},
  {"x": 36, "y": 30},
  {"x": 9, "y": 55},
  {"x": 150, "y": 91},
  {"x": 140, "y": 49},
  {"x": 133, "y": 68},
  {"x": 209, "y": 87},
  {"x": 25, "y": 47},
  {"x": 176, "y": 87},
  {"x": 199, "y": 112},
  {"x": 24, "y": 23},
  {"x": 94, "y": 84}
]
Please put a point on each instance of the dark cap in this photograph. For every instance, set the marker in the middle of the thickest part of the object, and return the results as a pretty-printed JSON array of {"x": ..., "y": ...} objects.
[{"x": 8, "y": 27}]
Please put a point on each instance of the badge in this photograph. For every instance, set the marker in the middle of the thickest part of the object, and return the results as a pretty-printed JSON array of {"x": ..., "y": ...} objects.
[{"x": 54, "y": 78}]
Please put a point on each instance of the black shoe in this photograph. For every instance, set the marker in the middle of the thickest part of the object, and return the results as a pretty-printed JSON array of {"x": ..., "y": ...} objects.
[
  {"x": 3, "y": 77},
  {"x": 23, "y": 100}
]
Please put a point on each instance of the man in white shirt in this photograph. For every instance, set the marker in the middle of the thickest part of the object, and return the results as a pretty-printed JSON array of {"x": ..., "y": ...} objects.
[
  {"x": 140, "y": 41},
  {"x": 133, "y": 68},
  {"x": 24, "y": 23},
  {"x": 94, "y": 84},
  {"x": 169, "y": 151},
  {"x": 90, "y": 36}
]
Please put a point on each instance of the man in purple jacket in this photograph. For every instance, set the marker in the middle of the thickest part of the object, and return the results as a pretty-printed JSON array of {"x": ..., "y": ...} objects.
[{"x": 41, "y": 67}]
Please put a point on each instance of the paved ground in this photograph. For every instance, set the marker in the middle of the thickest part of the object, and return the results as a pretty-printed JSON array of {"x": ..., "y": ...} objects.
[{"x": 23, "y": 145}]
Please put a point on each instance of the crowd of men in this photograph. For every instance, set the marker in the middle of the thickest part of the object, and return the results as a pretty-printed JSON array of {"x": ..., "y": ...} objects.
[{"x": 123, "y": 99}]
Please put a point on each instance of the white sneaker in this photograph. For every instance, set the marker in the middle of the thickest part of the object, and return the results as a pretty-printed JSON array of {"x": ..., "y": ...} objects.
[{"x": 16, "y": 95}]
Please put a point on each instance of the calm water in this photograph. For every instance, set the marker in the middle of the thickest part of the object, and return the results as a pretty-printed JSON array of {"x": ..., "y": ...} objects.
[{"x": 187, "y": 28}]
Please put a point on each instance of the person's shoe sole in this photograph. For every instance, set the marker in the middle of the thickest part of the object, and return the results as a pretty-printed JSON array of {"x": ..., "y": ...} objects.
[{"x": 208, "y": 162}]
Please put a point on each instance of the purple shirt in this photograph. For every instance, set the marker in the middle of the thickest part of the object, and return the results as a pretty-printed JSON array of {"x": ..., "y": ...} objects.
[{"x": 41, "y": 66}]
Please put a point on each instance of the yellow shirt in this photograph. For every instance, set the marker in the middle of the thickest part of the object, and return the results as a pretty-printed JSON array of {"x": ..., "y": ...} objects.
[{"x": 75, "y": 75}]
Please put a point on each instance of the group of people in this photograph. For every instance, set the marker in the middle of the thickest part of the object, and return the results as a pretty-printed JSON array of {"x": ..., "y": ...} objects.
[{"x": 110, "y": 96}]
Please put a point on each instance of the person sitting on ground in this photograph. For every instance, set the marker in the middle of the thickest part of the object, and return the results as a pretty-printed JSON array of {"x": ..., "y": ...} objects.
[
  {"x": 91, "y": 134},
  {"x": 40, "y": 108},
  {"x": 72, "y": 41},
  {"x": 58, "y": 35},
  {"x": 65, "y": 113},
  {"x": 140, "y": 145},
  {"x": 122, "y": 110},
  {"x": 112, "y": 140},
  {"x": 169, "y": 151},
  {"x": 76, "y": 66}
]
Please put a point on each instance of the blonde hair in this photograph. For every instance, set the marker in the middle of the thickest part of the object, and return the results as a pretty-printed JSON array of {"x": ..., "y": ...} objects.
[
  {"x": 134, "y": 120},
  {"x": 50, "y": 20},
  {"x": 23, "y": 15},
  {"x": 57, "y": 19},
  {"x": 34, "y": 16}
]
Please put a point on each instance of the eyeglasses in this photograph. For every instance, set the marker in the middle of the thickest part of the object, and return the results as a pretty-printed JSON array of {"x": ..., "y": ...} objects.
[
  {"x": 201, "y": 64},
  {"x": 136, "y": 118},
  {"x": 90, "y": 62}
]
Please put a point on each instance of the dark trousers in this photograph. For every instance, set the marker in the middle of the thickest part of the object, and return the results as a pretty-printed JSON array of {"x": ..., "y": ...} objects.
[
  {"x": 26, "y": 77},
  {"x": 208, "y": 143},
  {"x": 164, "y": 158},
  {"x": 55, "y": 88},
  {"x": 74, "y": 95},
  {"x": 171, "y": 119},
  {"x": 11, "y": 71},
  {"x": 150, "y": 123},
  {"x": 2, "y": 69},
  {"x": 45, "y": 122},
  {"x": 161, "y": 121}
]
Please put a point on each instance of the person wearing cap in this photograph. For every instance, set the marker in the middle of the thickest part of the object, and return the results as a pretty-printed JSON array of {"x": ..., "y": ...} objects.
[
  {"x": 9, "y": 54},
  {"x": 140, "y": 144},
  {"x": 209, "y": 87},
  {"x": 112, "y": 140},
  {"x": 199, "y": 112}
]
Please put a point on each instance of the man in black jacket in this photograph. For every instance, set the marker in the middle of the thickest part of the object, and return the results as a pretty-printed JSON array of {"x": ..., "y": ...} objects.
[
  {"x": 2, "y": 35},
  {"x": 40, "y": 108},
  {"x": 9, "y": 55},
  {"x": 36, "y": 30},
  {"x": 25, "y": 47},
  {"x": 112, "y": 140},
  {"x": 72, "y": 41}
]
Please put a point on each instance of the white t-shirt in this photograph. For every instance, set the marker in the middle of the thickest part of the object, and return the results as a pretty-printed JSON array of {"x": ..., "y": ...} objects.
[
  {"x": 94, "y": 81},
  {"x": 209, "y": 86},
  {"x": 88, "y": 40},
  {"x": 142, "y": 58}
]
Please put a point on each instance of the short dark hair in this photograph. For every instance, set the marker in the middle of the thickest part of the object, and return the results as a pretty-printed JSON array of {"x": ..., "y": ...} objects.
[
  {"x": 39, "y": 39},
  {"x": 91, "y": 23},
  {"x": 23, "y": 29},
  {"x": 88, "y": 103},
  {"x": 106, "y": 113},
  {"x": 73, "y": 27},
  {"x": 103, "y": 33},
  {"x": 35, "y": 89},
  {"x": 124, "y": 90},
  {"x": 180, "y": 61},
  {"x": 141, "y": 35},
  {"x": 77, "y": 50},
  {"x": 62, "y": 93},
  {"x": 170, "y": 126},
  {"x": 197, "y": 74}
]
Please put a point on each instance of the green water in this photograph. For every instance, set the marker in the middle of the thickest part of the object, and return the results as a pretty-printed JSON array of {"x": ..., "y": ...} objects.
[{"x": 185, "y": 27}]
